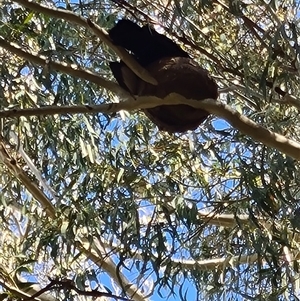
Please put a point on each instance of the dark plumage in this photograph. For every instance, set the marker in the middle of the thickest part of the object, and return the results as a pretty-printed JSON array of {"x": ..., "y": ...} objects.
[
  {"x": 146, "y": 44},
  {"x": 173, "y": 69}
]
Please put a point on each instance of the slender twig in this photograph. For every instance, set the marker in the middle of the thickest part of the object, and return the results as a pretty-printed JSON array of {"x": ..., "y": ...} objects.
[{"x": 68, "y": 284}]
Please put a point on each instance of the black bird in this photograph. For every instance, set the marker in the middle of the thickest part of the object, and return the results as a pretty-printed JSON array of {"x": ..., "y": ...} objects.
[{"x": 173, "y": 69}]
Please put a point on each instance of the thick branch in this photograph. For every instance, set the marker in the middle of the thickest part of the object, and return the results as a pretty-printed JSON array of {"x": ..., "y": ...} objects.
[
  {"x": 101, "y": 33},
  {"x": 237, "y": 120}
]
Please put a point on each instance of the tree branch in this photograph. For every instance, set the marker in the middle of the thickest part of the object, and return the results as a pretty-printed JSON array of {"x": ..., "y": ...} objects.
[
  {"x": 70, "y": 69},
  {"x": 101, "y": 33},
  {"x": 237, "y": 120},
  {"x": 18, "y": 172},
  {"x": 93, "y": 253},
  {"x": 68, "y": 284},
  {"x": 206, "y": 264}
]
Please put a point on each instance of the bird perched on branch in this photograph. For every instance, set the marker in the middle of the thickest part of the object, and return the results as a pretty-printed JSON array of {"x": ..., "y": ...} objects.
[{"x": 173, "y": 69}]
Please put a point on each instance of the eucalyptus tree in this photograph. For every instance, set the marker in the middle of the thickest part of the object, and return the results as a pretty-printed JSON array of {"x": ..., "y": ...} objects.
[{"x": 96, "y": 201}]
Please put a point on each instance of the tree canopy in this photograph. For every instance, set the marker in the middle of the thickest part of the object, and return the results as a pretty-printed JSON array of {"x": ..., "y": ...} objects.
[{"x": 96, "y": 202}]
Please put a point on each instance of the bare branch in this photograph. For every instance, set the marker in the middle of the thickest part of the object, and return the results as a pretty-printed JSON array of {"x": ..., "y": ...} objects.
[{"x": 237, "y": 120}]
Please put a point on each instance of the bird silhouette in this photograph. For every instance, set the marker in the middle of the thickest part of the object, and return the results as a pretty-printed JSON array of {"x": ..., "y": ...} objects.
[{"x": 173, "y": 69}]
